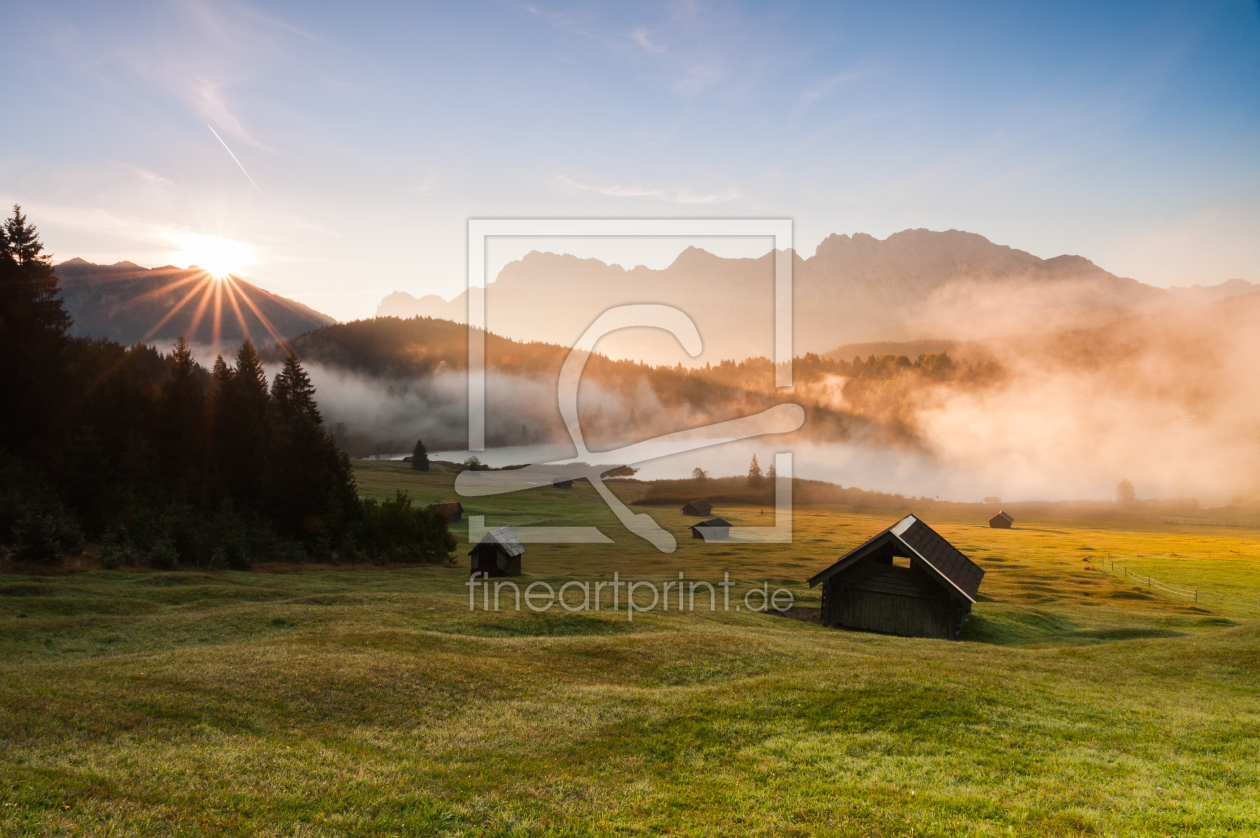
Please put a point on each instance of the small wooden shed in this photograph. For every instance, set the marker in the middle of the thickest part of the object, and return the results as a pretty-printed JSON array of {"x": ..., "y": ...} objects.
[
  {"x": 713, "y": 529},
  {"x": 451, "y": 510},
  {"x": 566, "y": 483},
  {"x": 929, "y": 593},
  {"x": 498, "y": 554},
  {"x": 699, "y": 506},
  {"x": 1001, "y": 521}
]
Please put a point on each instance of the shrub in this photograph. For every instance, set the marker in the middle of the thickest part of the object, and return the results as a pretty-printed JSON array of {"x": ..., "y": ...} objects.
[
  {"x": 42, "y": 532},
  {"x": 396, "y": 531}
]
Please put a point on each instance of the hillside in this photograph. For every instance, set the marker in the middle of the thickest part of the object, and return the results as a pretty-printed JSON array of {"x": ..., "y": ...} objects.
[{"x": 129, "y": 304}]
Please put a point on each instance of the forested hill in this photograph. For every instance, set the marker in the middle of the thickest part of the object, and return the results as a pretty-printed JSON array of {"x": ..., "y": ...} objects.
[
  {"x": 131, "y": 304},
  {"x": 418, "y": 366}
]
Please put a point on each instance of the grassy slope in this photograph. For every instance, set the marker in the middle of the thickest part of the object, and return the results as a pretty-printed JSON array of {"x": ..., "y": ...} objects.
[{"x": 351, "y": 702}]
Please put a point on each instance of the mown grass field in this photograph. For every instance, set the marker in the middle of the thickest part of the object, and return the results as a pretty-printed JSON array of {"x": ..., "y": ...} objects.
[{"x": 371, "y": 701}]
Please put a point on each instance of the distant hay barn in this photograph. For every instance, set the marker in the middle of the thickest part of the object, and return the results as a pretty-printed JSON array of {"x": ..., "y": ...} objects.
[
  {"x": 1001, "y": 521},
  {"x": 451, "y": 510},
  {"x": 567, "y": 483},
  {"x": 930, "y": 595},
  {"x": 699, "y": 506},
  {"x": 714, "y": 529},
  {"x": 498, "y": 554}
]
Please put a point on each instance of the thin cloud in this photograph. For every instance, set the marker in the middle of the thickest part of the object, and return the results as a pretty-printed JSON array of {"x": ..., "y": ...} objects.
[
  {"x": 828, "y": 87},
  {"x": 207, "y": 98},
  {"x": 673, "y": 196},
  {"x": 640, "y": 36},
  {"x": 145, "y": 176}
]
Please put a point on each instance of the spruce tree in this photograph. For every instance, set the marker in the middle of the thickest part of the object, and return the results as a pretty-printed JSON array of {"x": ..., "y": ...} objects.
[
  {"x": 240, "y": 429},
  {"x": 420, "y": 457},
  {"x": 33, "y": 342},
  {"x": 754, "y": 473},
  {"x": 312, "y": 485},
  {"x": 181, "y": 437}
]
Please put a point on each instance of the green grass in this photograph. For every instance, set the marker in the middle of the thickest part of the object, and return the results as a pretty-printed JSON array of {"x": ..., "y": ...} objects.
[{"x": 373, "y": 702}]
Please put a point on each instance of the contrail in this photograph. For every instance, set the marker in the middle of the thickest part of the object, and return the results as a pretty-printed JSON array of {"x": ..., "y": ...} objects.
[{"x": 238, "y": 162}]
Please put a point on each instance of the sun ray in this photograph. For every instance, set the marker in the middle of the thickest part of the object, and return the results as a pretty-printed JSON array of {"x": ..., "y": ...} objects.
[
  {"x": 176, "y": 309},
  {"x": 218, "y": 315},
  {"x": 262, "y": 318},
  {"x": 240, "y": 318},
  {"x": 170, "y": 286},
  {"x": 197, "y": 315}
]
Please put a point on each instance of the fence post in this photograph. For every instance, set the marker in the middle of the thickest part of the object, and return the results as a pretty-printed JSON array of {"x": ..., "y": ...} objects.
[{"x": 1148, "y": 583}]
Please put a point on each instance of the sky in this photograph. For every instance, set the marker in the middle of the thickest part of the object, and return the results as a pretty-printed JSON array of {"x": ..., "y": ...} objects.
[{"x": 339, "y": 149}]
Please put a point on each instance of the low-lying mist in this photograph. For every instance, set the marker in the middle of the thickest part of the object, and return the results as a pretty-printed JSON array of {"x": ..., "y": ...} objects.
[{"x": 1167, "y": 400}]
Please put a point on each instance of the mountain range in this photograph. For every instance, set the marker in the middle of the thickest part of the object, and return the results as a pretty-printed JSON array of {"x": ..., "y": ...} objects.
[
  {"x": 914, "y": 285},
  {"x": 130, "y": 304}
]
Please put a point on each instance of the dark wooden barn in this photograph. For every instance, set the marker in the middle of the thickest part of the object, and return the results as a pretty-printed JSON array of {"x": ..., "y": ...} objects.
[
  {"x": 713, "y": 529},
  {"x": 567, "y": 483},
  {"x": 498, "y": 554},
  {"x": 1001, "y": 521},
  {"x": 699, "y": 506},
  {"x": 907, "y": 580},
  {"x": 451, "y": 510}
]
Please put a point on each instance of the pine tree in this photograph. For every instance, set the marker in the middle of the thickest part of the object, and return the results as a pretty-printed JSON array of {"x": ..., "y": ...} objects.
[
  {"x": 33, "y": 342},
  {"x": 772, "y": 474},
  {"x": 240, "y": 429},
  {"x": 181, "y": 436},
  {"x": 311, "y": 485},
  {"x": 755, "y": 477},
  {"x": 420, "y": 457},
  {"x": 293, "y": 395}
]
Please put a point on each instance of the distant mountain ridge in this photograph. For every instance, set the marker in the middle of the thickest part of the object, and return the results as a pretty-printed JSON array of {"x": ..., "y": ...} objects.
[
  {"x": 913, "y": 285},
  {"x": 129, "y": 303}
]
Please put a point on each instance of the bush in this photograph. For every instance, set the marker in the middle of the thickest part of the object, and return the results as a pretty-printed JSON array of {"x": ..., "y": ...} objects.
[
  {"x": 117, "y": 550},
  {"x": 163, "y": 555},
  {"x": 42, "y": 532},
  {"x": 396, "y": 531}
]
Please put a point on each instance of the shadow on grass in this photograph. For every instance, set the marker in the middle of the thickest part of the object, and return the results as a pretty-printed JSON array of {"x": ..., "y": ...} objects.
[{"x": 1019, "y": 628}]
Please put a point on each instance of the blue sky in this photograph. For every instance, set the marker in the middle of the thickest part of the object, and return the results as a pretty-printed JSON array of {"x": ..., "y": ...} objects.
[{"x": 1128, "y": 133}]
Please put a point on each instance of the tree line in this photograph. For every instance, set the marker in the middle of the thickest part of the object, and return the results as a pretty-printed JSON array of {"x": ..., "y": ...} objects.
[{"x": 163, "y": 463}]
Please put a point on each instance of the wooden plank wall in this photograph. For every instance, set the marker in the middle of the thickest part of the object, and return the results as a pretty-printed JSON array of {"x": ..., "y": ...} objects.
[{"x": 885, "y": 598}]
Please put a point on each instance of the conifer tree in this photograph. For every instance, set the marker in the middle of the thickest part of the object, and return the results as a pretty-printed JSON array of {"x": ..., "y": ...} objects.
[
  {"x": 181, "y": 435},
  {"x": 754, "y": 473},
  {"x": 33, "y": 343},
  {"x": 420, "y": 457}
]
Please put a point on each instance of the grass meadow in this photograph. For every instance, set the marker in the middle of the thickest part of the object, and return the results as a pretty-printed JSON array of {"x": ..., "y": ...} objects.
[{"x": 347, "y": 701}]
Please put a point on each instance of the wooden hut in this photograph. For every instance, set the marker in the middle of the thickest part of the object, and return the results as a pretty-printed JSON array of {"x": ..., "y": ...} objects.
[
  {"x": 928, "y": 593},
  {"x": 1001, "y": 521},
  {"x": 498, "y": 554},
  {"x": 566, "y": 483},
  {"x": 451, "y": 510},
  {"x": 699, "y": 506},
  {"x": 713, "y": 529}
]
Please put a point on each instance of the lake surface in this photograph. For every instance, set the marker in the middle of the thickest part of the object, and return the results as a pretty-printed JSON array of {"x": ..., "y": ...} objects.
[{"x": 877, "y": 469}]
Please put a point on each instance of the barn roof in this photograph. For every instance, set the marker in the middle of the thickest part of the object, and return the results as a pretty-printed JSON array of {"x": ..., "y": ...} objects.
[
  {"x": 503, "y": 537},
  {"x": 912, "y": 538},
  {"x": 713, "y": 522},
  {"x": 450, "y": 504},
  {"x": 1004, "y": 515}
]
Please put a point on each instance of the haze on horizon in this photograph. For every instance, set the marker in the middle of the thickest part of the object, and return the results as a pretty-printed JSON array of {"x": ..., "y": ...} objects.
[{"x": 340, "y": 152}]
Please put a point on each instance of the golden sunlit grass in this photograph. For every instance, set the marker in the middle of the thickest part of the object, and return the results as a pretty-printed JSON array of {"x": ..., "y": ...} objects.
[{"x": 371, "y": 702}]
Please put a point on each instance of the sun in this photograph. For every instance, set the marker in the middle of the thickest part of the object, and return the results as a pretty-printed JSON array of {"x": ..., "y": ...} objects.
[{"x": 217, "y": 256}]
